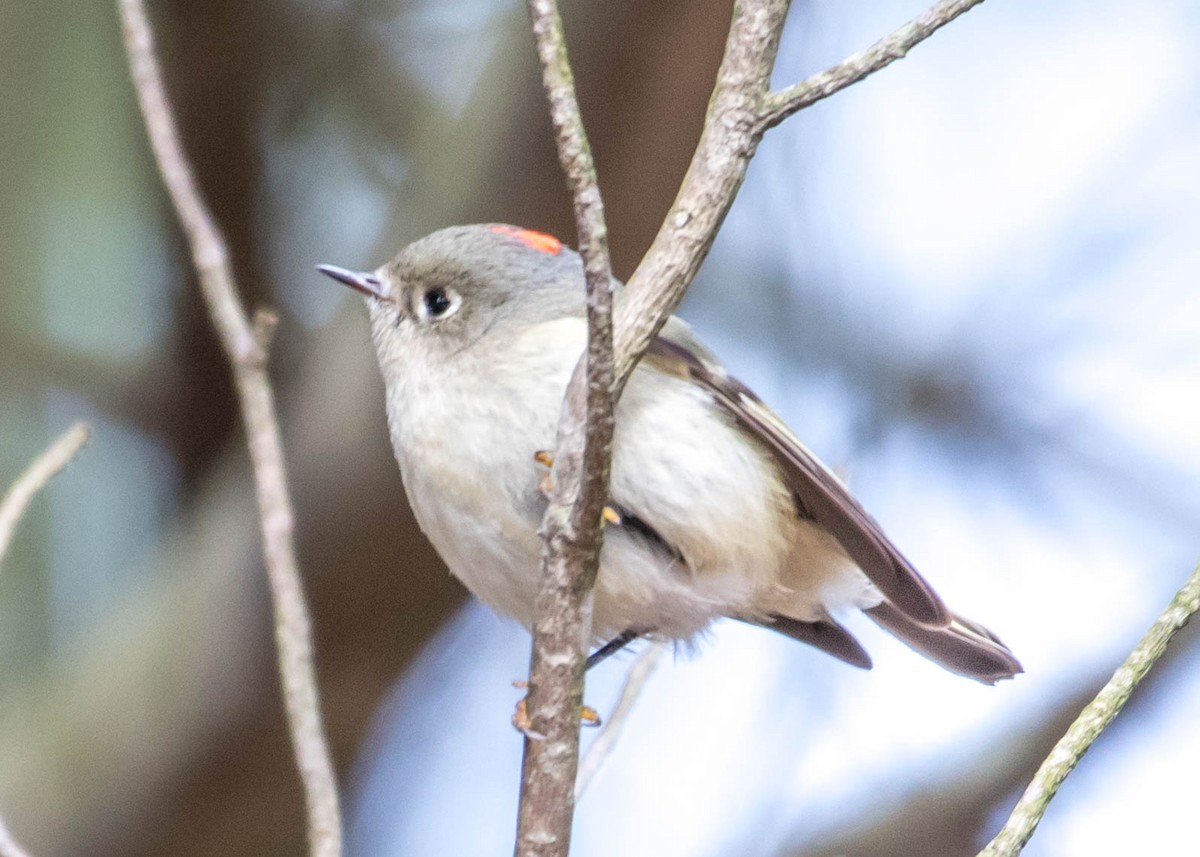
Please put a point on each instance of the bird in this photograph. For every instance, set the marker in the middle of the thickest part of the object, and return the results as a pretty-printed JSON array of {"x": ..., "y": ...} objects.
[{"x": 716, "y": 509}]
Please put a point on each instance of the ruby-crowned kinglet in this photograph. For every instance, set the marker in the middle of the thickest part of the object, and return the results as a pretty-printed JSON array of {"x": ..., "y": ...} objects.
[{"x": 716, "y": 510}]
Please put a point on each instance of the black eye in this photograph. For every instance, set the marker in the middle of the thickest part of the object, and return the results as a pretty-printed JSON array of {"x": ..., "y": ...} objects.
[{"x": 437, "y": 302}]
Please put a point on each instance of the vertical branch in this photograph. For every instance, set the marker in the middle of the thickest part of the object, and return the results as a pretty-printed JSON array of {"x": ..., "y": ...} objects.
[
  {"x": 246, "y": 347},
  {"x": 572, "y": 528},
  {"x": 1092, "y": 721},
  {"x": 740, "y": 111}
]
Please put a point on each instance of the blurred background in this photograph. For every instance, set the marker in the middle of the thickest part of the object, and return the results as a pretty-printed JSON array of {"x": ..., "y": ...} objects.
[{"x": 969, "y": 283}]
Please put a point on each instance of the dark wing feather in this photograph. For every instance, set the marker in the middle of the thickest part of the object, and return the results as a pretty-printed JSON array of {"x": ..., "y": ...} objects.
[
  {"x": 818, "y": 491},
  {"x": 962, "y": 647},
  {"x": 825, "y": 634}
]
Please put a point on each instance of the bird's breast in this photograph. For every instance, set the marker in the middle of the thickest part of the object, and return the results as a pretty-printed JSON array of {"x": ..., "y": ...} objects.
[{"x": 465, "y": 441}]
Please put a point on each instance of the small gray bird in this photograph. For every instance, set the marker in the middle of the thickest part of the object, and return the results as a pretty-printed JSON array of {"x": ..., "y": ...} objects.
[{"x": 718, "y": 510}]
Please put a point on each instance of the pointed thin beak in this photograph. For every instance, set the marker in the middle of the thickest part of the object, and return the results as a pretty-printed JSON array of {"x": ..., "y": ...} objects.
[{"x": 368, "y": 284}]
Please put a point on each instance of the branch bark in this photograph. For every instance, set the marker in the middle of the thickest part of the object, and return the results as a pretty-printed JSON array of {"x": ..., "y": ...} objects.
[
  {"x": 1092, "y": 721},
  {"x": 16, "y": 500},
  {"x": 246, "y": 345},
  {"x": 572, "y": 528},
  {"x": 730, "y": 138},
  {"x": 740, "y": 111},
  {"x": 572, "y": 531},
  {"x": 781, "y": 105},
  {"x": 34, "y": 479}
]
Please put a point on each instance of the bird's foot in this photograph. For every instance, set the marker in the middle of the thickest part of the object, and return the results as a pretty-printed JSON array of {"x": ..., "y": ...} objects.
[
  {"x": 546, "y": 485},
  {"x": 546, "y": 481},
  {"x": 523, "y": 723}
]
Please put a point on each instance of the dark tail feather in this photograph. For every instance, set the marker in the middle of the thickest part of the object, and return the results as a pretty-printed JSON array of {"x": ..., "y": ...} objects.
[
  {"x": 826, "y": 634},
  {"x": 963, "y": 647}
]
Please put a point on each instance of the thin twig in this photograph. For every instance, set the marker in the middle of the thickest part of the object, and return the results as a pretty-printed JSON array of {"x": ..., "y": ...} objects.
[
  {"x": 9, "y": 847},
  {"x": 43, "y": 468},
  {"x": 1093, "y": 720},
  {"x": 571, "y": 529},
  {"x": 34, "y": 479},
  {"x": 781, "y": 105},
  {"x": 635, "y": 680},
  {"x": 245, "y": 344}
]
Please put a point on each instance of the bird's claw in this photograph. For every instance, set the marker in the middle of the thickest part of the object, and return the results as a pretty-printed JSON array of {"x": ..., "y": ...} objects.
[
  {"x": 546, "y": 485},
  {"x": 523, "y": 723},
  {"x": 546, "y": 482}
]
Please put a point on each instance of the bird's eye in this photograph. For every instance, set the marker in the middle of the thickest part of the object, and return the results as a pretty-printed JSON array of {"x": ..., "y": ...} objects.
[{"x": 438, "y": 303}]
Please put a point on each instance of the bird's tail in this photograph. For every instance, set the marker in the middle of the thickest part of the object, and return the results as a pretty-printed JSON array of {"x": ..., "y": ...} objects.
[{"x": 962, "y": 647}]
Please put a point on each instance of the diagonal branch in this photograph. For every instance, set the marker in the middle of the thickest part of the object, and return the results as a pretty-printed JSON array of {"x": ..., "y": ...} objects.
[
  {"x": 34, "y": 479},
  {"x": 730, "y": 138},
  {"x": 9, "y": 847},
  {"x": 16, "y": 500},
  {"x": 1092, "y": 721},
  {"x": 781, "y": 105},
  {"x": 571, "y": 529},
  {"x": 246, "y": 346}
]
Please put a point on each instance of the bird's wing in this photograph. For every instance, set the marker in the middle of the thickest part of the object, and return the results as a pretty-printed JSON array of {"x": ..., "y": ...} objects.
[{"x": 819, "y": 494}]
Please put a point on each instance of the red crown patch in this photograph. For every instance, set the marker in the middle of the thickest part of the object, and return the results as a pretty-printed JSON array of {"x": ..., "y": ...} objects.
[{"x": 539, "y": 241}]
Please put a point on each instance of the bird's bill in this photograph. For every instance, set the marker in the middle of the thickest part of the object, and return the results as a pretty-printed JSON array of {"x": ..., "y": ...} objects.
[{"x": 367, "y": 283}]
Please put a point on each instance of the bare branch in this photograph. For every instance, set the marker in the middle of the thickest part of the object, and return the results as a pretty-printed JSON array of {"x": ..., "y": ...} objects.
[
  {"x": 639, "y": 673},
  {"x": 571, "y": 529},
  {"x": 1092, "y": 721},
  {"x": 728, "y": 142},
  {"x": 246, "y": 348},
  {"x": 9, "y": 846},
  {"x": 740, "y": 111},
  {"x": 57, "y": 456},
  {"x": 34, "y": 479},
  {"x": 781, "y": 105}
]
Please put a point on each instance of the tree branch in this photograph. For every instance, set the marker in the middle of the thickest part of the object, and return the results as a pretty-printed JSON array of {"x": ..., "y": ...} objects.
[
  {"x": 16, "y": 500},
  {"x": 731, "y": 135},
  {"x": 34, "y": 479},
  {"x": 246, "y": 347},
  {"x": 571, "y": 529},
  {"x": 781, "y": 105},
  {"x": 740, "y": 111},
  {"x": 9, "y": 847},
  {"x": 1092, "y": 721}
]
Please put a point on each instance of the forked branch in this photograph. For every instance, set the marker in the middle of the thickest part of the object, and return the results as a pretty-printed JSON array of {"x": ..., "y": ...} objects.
[
  {"x": 781, "y": 105},
  {"x": 740, "y": 111}
]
